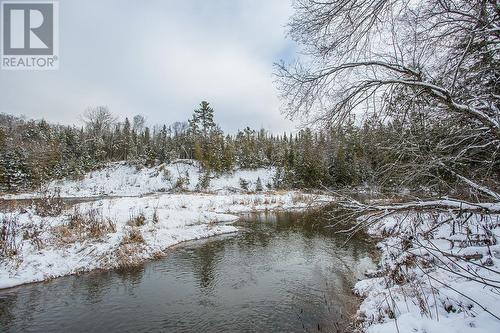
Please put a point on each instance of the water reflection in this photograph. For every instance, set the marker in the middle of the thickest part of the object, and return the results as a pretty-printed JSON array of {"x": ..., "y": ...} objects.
[
  {"x": 282, "y": 273},
  {"x": 204, "y": 262}
]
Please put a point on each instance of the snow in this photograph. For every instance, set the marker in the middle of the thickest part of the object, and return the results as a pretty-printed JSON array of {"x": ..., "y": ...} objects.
[
  {"x": 169, "y": 219},
  {"x": 437, "y": 292},
  {"x": 123, "y": 179},
  {"x": 416, "y": 290},
  {"x": 161, "y": 198}
]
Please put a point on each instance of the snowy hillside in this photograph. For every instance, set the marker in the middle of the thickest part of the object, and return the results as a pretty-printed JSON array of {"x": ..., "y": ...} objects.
[{"x": 123, "y": 179}]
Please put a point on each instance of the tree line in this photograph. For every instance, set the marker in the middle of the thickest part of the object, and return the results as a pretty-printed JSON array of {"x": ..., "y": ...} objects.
[{"x": 33, "y": 152}]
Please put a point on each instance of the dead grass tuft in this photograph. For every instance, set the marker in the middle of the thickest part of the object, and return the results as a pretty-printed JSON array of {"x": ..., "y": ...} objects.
[
  {"x": 130, "y": 248},
  {"x": 33, "y": 233},
  {"x": 90, "y": 224},
  {"x": 9, "y": 246},
  {"x": 127, "y": 256},
  {"x": 50, "y": 204},
  {"x": 137, "y": 220},
  {"x": 133, "y": 235}
]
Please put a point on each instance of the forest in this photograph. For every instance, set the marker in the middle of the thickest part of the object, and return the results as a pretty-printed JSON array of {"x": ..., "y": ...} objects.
[{"x": 33, "y": 152}]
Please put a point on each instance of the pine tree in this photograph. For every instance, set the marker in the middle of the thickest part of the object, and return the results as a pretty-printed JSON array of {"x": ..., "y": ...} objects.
[
  {"x": 162, "y": 145},
  {"x": 126, "y": 140},
  {"x": 205, "y": 118},
  {"x": 258, "y": 185}
]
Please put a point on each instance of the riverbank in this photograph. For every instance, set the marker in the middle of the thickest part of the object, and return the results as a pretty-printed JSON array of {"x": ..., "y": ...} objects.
[
  {"x": 279, "y": 273},
  {"x": 439, "y": 272},
  {"x": 114, "y": 232}
]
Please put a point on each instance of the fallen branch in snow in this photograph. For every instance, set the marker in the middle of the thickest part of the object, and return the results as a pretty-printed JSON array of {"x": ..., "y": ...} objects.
[
  {"x": 366, "y": 213},
  {"x": 473, "y": 184}
]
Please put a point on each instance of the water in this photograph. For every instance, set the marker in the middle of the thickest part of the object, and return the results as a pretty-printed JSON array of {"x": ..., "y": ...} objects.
[{"x": 281, "y": 273}]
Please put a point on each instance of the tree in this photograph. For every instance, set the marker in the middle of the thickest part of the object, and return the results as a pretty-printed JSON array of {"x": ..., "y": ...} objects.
[
  {"x": 138, "y": 123},
  {"x": 162, "y": 145},
  {"x": 98, "y": 120},
  {"x": 12, "y": 169},
  {"x": 204, "y": 116},
  {"x": 206, "y": 138},
  {"x": 398, "y": 59},
  {"x": 126, "y": 140},
  {"x": 258, "y": 185}
]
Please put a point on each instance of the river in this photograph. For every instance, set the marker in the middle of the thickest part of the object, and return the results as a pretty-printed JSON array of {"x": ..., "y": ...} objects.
[{"x": 283, "y": 272}]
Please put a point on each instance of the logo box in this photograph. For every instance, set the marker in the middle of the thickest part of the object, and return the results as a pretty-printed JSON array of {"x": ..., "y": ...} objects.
[{"x": 29, "y": 35}]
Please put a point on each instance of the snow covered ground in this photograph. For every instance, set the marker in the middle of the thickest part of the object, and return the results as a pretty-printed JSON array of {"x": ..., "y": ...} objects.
[
  {"x": 439, "y": 273},
  {"x": 123, "y": 231},
  {"x": 123, "y": 179},
  {"x": 147, "y": 211}
]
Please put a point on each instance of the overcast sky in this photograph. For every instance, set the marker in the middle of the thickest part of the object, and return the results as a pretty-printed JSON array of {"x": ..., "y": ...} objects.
[{"x": 160, "y": 59}]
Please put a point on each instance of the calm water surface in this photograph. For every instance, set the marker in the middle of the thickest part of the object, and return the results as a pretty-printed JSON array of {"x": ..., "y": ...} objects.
[{"x": 282, "y": 273}]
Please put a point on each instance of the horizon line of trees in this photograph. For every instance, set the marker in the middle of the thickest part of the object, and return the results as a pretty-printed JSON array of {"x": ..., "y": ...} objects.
[{"x": 34, "y": 152}]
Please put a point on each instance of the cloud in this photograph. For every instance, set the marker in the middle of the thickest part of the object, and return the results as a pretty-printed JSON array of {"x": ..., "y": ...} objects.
[{"x": 160, "y": 59}]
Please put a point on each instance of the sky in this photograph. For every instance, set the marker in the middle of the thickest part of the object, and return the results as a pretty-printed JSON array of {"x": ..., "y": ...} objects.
[{"x": 160, "y": 59}]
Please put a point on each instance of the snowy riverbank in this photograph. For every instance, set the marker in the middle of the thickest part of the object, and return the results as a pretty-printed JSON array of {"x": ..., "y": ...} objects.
[
  {"x": 439, "y": 272},
  {"x": 148, "y": 210},
  {"x": 116, "y": 232}
]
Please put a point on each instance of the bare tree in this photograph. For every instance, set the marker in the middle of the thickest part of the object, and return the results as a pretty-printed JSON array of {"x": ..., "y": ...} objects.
[
  {"x": 431, "y": 70},
  {"x": 138, "y": 123},
  {"x": 99, "y": 120},
  {"x": 395, "y": 58},
  {"x": 179, "y": 128}
]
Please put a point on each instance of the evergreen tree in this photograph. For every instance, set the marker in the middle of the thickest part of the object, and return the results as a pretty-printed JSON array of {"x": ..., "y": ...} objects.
[
  {"x": 126, "y": 140},
  {"x": 258, "y": 185}
]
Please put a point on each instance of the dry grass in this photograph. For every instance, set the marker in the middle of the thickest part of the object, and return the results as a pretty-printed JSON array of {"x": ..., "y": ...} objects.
[
  {"x": 50, "y": 204},
  {"x": 128, "y": 256},
  {"x": 14, "y": 205},
  {"x": 137, "y": 220},
  {"x": 132, "y": 236},
  {"x": 90, "y": 224},
  {"x": 130, "y": 248},
  {"x": 33, "y": 233},
  {"x": 300, "y": 198},
  {"x": 9, "y": 246}
]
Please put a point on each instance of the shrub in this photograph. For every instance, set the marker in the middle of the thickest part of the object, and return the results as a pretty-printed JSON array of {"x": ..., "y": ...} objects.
[
  {"x": 156, "y": 218},
  {"x": 8, "y": 243},
  {"x": 258, "y": 185},
  {"x": 244, "y": 184},
  {"x": 137, "y": 220},
  {"x": 50, "y": 204},
  {"x": 182, "y": 182},
  {"x": 166, "y": 175},
  {"x": 89, "y": 224},
  {"x": 204, "y": 181},
  {"x": 33, "y": 233}
]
